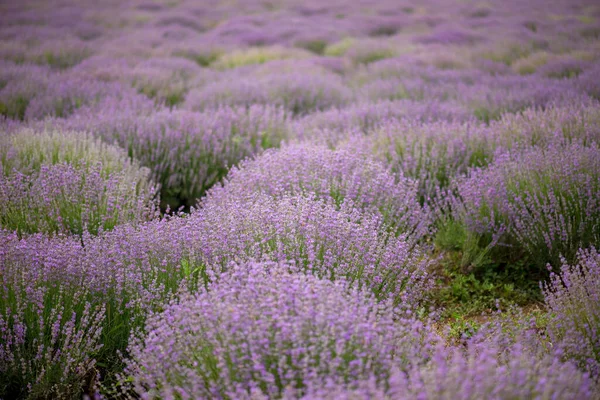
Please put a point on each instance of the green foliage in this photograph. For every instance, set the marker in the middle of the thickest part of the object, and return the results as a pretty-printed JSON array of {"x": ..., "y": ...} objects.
[
  {"x": 475, "y": 279},
  {"x": 16, "y": 108},
  {"x": 257, "y": 55},
  {"x": 316, "y": 46}
]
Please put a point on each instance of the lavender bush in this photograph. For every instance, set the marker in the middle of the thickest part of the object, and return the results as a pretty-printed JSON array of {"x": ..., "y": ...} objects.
[
  {"x": 334, "y": 126},
  {"x": 63, "y": 96},
  {"x": 297, "y": 93},
  {"x": 572, "y": 299},
  {"x": 261, "y": 330},
  {"x": 540, "y": 200},
  {"x": 49, "y": 331},
  {"x": 59, "y": 182},
  {"x": 488, "y": 370},
  {"x": 319, "y": 237},
  {"x": 188, "y": 152},
  {"x": 335, "y": 176},
  {"x": 166, "y": 80},
  {"x": 18, "y": 85},
  {"x": 68, "y": 305},
  {"x": 433, "y": 153}
]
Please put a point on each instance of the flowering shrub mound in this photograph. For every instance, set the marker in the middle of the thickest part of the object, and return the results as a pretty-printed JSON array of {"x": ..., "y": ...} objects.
[
  {"x": 262, "y": 330},
  {"x": 572, "y": 297},
  {"x": 299, "y": 199},
  {"x": 58, "y": 182},
  {"x": 188, "y": 152},
  {"x": 543, "y": 200},
  {"x": 337, "y": 177},
  {"x": 489, "y": 369},
  {"x": 432, "y": 154},
  {"x": 320, "y": 238},
  {"x": 297, "y": 93}
]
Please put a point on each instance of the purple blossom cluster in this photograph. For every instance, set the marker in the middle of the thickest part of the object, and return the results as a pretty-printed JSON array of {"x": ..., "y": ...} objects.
[
  {"x": 321, "y": 238},
  {"x": 49, "y": 331},
  {"x": 58, "y": 182},
  {"x": 573, "y": 296},
  {"x": 480, "y": 370},
  {"x": 336, "y": 169},
  {"x": 544, "y": 200},
  {"x": 187, "y": 152},
  {"x": 336, "y": 176},
  {"x": 263, "y": 330},
  {"x": 432, "y": 154}
]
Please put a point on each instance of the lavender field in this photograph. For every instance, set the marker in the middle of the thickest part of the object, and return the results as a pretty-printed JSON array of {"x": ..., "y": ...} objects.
[{"x": 300, "y": 199}]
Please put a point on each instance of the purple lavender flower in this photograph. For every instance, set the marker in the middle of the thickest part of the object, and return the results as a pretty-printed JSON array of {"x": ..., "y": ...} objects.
[
  {"x": 69, "y": 183},
  {"x": 573, "y": 297},
  {"x": 544, "y": 200},
  {"x": 331, "y": 242},
  {"x": 263, "y": 330},
  {"x": 187, "y": 152},
  {"x": 334, "y": 176}
]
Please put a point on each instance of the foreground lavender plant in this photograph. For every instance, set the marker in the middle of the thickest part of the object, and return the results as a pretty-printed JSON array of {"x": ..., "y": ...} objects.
[
  {"x": 573, "y": 299},
  {"x": 187, "y": 152},
  {"x": 541, "y": 200},
  {"x": 49, "y": 331},
  {"x": 334, "y": 176},
  {"x": 329, "y": 241},
  {"x": 482, "y": 370},
  {"x": 69, "y": 304},
  {"x": 261, "y": 330}
]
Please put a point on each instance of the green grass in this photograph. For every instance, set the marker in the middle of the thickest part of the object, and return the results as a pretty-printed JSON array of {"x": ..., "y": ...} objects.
[{"x": 473, "y": 279}]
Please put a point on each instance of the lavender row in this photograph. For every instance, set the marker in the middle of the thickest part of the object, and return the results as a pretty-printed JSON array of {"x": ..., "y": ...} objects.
[{"x": 69, "y": 183}]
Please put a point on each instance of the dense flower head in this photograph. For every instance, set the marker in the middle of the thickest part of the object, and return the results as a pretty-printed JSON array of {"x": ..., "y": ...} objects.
[
  {"x": 544, "y": 200},
  {"x": 573, "y": 298},
  {"x": 59, "y": 182},
  {"x": 331, "y": 242},
  {"x": 337, "y": 176},
  {"x": 261, "y": 330}
]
